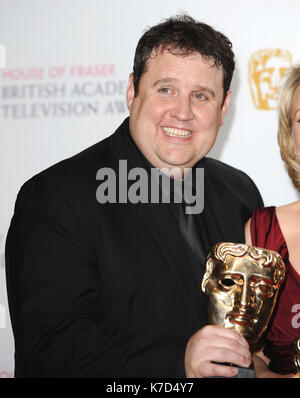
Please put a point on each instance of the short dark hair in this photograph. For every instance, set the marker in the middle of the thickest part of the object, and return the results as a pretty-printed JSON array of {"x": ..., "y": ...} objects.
[{"x": 183, "y": 35}]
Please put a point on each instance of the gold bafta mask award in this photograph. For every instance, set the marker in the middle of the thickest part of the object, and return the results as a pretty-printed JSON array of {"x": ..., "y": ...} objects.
[{"x": 241, "y": 284}]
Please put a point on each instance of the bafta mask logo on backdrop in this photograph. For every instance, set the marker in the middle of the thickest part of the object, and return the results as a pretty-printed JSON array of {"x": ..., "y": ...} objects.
[{"x": 265, "y": 69}]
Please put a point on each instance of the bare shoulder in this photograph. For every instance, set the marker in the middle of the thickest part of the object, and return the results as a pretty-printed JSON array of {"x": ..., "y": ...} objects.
[
  {"x": 289, "y": 212},
  {"x": 289, "y": 220}
]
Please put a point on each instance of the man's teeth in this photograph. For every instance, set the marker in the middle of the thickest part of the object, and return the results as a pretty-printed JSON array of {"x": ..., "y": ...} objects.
[{"x": 176, "y": 133}]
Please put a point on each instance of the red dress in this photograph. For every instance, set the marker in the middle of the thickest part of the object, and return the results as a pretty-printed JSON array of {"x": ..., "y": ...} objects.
[{"x": 284, "y": 326}]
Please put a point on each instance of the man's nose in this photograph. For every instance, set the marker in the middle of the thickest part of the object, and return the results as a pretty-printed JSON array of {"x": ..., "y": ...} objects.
[{"x": 182, "y": 108}]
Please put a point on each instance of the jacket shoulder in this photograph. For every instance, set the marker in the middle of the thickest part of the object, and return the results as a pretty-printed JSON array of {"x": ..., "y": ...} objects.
[
  {"x": 225, "y": 172},
  {"x": 229, "y": 179},
  {"x": 81, "y": 167}
]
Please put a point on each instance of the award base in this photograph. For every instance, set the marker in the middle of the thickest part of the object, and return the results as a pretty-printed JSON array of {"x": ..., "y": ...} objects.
[{"x": 246, "y": 373}]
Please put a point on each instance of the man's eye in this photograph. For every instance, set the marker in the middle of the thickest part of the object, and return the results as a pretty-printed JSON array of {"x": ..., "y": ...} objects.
[
  {"x": 165, "y": 90},
  {"x": 227, "y": 283},
  {"x": 200, "y": 97}
]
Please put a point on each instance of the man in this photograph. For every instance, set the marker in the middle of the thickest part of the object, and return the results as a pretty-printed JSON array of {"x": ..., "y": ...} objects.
[{"x": 103, "y": 289}]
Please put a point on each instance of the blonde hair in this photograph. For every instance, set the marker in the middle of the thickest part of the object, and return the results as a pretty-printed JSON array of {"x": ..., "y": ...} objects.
[{"x": 288, "y": 150}]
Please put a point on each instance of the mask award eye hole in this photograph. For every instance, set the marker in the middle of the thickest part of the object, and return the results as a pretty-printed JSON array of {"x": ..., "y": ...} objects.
[{"x": 227, "y": 282}]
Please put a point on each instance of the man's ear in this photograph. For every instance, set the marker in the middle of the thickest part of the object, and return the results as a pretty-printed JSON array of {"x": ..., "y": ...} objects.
[
  {"x": 130, "y": 92},
  {"x": 225, "y": 106}
]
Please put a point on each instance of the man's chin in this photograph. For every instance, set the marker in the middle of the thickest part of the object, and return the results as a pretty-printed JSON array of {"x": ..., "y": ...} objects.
[{"x": 177, "y": 162}]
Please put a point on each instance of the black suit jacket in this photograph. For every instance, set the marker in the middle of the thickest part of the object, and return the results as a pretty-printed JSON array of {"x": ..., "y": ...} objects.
[{"x": 105, "y": 290}]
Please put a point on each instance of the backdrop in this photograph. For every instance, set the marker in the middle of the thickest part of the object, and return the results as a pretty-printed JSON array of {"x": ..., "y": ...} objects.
[{"x": 63, "y": 86}]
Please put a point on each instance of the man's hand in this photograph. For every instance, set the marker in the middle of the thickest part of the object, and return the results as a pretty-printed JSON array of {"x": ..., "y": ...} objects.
[{"x": 216, "y": 344}]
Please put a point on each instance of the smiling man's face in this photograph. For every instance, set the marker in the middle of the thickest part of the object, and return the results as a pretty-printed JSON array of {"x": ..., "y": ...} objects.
[{"x": 179, "y": 108}]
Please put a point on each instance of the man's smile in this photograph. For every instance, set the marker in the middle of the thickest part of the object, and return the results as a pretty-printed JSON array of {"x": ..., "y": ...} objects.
[{"x": 174, "y": 132}]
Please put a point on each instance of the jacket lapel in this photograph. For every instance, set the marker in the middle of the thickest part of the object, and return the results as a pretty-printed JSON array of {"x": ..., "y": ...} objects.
[{"x": 165, "y": 231}]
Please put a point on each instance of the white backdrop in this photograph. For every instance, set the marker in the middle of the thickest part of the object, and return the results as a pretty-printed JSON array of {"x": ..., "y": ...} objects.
[{"x": 63, "y": 89}]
